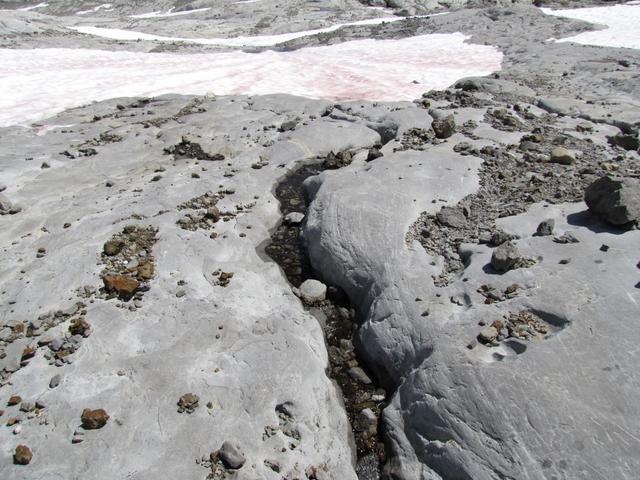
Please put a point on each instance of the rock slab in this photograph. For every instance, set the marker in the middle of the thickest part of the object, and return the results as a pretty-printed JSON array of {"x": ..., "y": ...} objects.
[{"x": 616, "y": 201}]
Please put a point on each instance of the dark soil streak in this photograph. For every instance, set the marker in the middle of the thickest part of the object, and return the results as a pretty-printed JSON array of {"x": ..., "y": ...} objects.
[{"x": 338, "y": 320}]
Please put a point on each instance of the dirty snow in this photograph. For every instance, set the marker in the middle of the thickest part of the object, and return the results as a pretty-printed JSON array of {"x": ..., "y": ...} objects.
[
  {"x": 46, "y": 81},
  {"x": 169, "y": 13},
  {"x": 104, "y": 6},
  {"x": 623, "y": 22},
  {"x": 255, "y": 41},
  {"x": 33, "y": 7}
]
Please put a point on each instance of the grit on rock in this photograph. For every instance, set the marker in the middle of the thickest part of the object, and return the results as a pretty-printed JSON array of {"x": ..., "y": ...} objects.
[{"x": 279, "y": 287}]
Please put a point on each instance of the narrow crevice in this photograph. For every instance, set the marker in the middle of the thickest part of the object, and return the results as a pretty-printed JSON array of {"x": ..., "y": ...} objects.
[{"x": 363, "y": 398}]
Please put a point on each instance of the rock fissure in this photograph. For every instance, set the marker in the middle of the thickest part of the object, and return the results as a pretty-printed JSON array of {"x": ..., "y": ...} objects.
[{"x": 363, "y": 398}]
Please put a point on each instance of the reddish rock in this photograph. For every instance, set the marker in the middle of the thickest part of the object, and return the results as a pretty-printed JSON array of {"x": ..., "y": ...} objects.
[
  {"x": 14, "y": 400},
  {"x": 22, "y": 455},
  {"x": 123, "y": 285},
  {"x": 94, "y": 419}
]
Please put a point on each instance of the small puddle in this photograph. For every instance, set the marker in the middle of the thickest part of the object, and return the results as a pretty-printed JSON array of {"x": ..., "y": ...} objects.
[{"x": 363, "y": 401}]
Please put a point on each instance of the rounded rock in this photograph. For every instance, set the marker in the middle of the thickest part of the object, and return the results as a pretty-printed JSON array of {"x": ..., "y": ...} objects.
[
  {"x": 94, "y": 419},
  {"x": 294, "y": 218},
  {"x": 505, "y": 257},
  {"x": 231, "y": 456},
  {"x": 22, "y": 455},
  {"x": 562, "y": 156},
  {"x": 313, "y": 291}
]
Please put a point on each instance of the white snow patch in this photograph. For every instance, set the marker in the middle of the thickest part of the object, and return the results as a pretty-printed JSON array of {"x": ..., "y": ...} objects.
[
  {"x": 35, "y": 84},
  {"x": 104, "y": 6},
  {"x": 169, "y": 13},
  {"x": 623, "y": 22},
  {"x": 256, "y": 41},
  {"x": 26, "y": 9}
]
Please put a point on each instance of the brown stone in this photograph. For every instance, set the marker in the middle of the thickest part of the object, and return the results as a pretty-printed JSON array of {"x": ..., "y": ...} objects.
[
  {"x": 188, "y": 402},
  {"x": 145, "y": 271},
  {"x": 28, "y": 353},
  {"x": 22, "y": 455},
  {"x": 94, "y": 419},
  {"x": 497, "y": 324},
  {"x": 79, "y": 326},
  {"x": 224, "y": 278},
  {"x": 113, "y": 247},
  {"x": 14, "y": 400},
  {"x": 213, "y": 213},
  {"x": 123, "y": 285}
]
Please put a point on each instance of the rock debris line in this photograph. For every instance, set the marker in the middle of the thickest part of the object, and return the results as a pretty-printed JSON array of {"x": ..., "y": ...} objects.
[
  {"x": 129, "y": 266},
  {"x": 363, "y": 399},
  {"x": 542, "y": 167},
  {"x": 129, "y": 263}
]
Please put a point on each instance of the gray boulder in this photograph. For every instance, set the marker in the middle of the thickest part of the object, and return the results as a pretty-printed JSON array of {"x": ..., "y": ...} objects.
[
  {"x": 7, "y": 207},
  {"x": 55, "y": 381},
  {"x": 444, "y": 125},
  {"x": 288, "y": 125},
  {"x": 616, "y": 201},
  {"x": 451, "y": 217},
  {"x": 359, "y": 375},
  {"x": 492, "y": 85},
  {"x": 505, "y": 257},
  {"x": 294, "y": 218},
  {"x": 625, "y": 141},
  {"x": 231, "y": 456},
  {"x": 562, "y": 156},
  {"x": 313, "y": 291},
  {"x": 545, "y": 228}
]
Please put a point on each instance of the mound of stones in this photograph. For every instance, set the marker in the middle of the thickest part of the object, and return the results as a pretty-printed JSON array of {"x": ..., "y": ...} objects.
[
  {"x": 189, "y": 149},
  {"x": 129, "y": 262}
]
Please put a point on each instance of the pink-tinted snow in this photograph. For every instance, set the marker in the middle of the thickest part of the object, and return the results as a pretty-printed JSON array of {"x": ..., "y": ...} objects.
[{"x": 35, "y": 84}]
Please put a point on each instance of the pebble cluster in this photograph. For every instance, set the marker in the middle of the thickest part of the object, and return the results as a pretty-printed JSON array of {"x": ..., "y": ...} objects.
[{"x": 129, "y": 263}]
